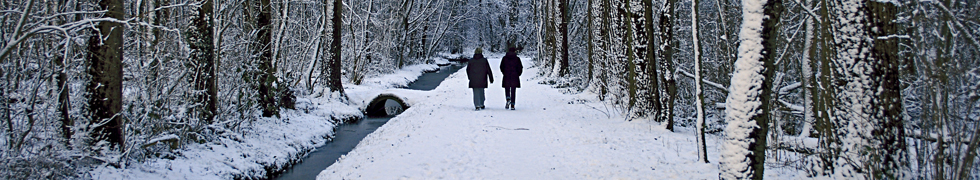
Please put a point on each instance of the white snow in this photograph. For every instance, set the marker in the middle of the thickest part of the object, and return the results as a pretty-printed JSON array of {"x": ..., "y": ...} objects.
[
  {"x": 743, "y": 100},
  {"x": 550, "y": 136},
  {"x": 267, "y": 141}
]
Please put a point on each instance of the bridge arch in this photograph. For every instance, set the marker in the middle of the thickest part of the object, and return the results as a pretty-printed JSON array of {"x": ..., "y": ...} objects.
[{"x": 376, "y": 107}]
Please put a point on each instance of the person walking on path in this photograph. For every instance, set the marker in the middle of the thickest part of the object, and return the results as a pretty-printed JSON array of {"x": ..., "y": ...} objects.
[
  {"x": 478, "y": 71},
  {"x": 511, "y": 67}
]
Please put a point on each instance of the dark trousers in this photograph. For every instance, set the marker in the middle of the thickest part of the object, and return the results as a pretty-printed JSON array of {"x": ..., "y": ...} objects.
[{"x": 511, "y": 93}]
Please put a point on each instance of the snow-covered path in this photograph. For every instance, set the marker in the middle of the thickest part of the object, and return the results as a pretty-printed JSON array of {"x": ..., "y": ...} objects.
[{"x": 551, "y": 135}]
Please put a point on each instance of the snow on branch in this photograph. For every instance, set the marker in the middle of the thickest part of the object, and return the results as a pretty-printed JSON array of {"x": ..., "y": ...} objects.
[
  {"x": 786, "y": 89},
  {"x": 713, "y": 84},
  {"x": 960, "y": 26}
]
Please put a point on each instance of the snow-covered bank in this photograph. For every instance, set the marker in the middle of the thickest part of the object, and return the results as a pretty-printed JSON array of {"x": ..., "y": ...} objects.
[
  {"x": 550, "y": 136},
  {"x": 267, "y": 145}
]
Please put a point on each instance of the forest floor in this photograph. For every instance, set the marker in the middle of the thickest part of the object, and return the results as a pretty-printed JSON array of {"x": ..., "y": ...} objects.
[{"x": 551, "y": 135}]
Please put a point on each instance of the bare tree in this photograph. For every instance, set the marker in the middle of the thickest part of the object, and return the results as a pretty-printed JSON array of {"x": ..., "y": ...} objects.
[
  {"x": 105, "y": 68},
  {"x": 334, "y": 82},
  {"x": 267, "y": 77},
  {"x": 201, "y": 41}
]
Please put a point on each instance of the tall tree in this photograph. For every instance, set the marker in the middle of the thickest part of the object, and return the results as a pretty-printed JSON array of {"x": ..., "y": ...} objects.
[
  {"x": 890, "y": 155},
  {"x": 854, "y": 117},
  {"x": 563, "y": 6},
  {"x": 747, "y": 106},
  {"x": 807, "y": 73},
  {"x": 590, "y": 41},
  {"x": 201, "y": 41},
  {"x": 667, "y": 64},
  {"x": 698, "y": 91},
  {"x": 825, "y": 98},
  {"x": 335, "y": 83},
  {"x": 267, "y": 77},
  {"x": 630, "y": 55},
  {"x": 64, "y": 103},
  {"x": 651, "y": 61},
  {"x": 105, "y": 68}
]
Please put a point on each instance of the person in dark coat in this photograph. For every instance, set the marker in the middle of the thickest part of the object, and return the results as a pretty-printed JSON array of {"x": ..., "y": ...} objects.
[
  {"x": 478, "y": 72},
  {"x": 511, "y": 67}
]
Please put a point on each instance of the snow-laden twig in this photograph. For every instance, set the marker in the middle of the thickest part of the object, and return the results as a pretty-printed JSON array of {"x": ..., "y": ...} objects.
[
  {"x": 894, "y": 36},
  {"x": 809, "y": 11},
  {"x": 796, "y": 109},
  {"x": 786, "y": 89},
  {"x": 956, "y": 21},
  {"x": 713, "y": 84}
]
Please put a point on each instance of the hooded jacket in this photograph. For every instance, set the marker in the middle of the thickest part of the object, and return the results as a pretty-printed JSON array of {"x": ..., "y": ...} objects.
[
  {"x": 511, "y": 67},
  {"x": 478, "y": 71}
]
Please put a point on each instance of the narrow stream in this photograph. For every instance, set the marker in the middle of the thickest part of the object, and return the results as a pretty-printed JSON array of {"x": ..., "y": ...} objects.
[{"x": 349, "y": 135}]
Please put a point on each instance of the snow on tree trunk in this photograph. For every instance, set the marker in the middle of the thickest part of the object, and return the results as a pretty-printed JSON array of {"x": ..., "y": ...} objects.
[
  {"x": 267, "y": 78},
  {"x": 200, "y": 38},
  {"x": 853, "y": 112},
  {"x": 745, "y": 134},
  {"x": 105, "y": 88},
  {"x": 334, "y": 82},
  {"x": 667, "y": 64},
  {"x": 698, "y": 93},
  {"x": 807, "y": 74}
]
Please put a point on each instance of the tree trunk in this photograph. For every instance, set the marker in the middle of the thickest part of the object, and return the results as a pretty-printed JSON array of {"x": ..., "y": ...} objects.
[
  {"x": 630, "y": 55},
  {"x": 267, "y": 95},
  {"x": 105, "y": 68},
  {"x": 563, "y": 67},
  {"x": 201, "y": 42},
  {"x": 590, "y": 43},
  {"x": 667, "y": 64},
  {"x": 806, "y": 66},
  {"x": 825, "y": 99},
  {"x": 606, "y": 47},
  {"x": 651, "y": 56},
  {"x": 889, "y": 133},
  {"x": 853, "y": 112},
  {"x": 770, "y": 42},
  {"x": 335, "y": 83},
  {"x": 747, "y": 106},
  {"x": 698, "y": 92}
]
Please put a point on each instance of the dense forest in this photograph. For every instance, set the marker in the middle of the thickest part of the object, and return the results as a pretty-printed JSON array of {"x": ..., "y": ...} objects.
[{"x": 840, "y": 88}]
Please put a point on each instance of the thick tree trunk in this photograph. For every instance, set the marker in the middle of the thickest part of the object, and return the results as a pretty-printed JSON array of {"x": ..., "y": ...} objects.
[
  {"x": 854, "y": 117},
  {"x": 892, "y": 150},
  {"x": 652, "y": 63},
  {"x": 267, "y": 95},
  {"x": 747, "y": 106},
  {"x": 824, "y": 100},
  {"x": 201, "y": 42},
  {"x": 563, "y": 67},
  {"x": 105, "y": 68},
  {"x": 630, "y": 56},
  {"x": 667, "y": 64},
  {"x": 770, "y": 42},
  {"x": 606, "y": 47},
  {"x": 335, "y": 83}
]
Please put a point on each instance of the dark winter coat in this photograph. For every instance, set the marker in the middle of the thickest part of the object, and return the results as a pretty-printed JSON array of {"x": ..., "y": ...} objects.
[
  {"x": 478, "y": 71},
  {"x": 511, "y": 67}
]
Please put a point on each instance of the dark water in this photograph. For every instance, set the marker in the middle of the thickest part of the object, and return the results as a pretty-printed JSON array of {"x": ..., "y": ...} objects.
[
  {"x": 430, "y": 81},
  {"x": 349, "y": 135}
]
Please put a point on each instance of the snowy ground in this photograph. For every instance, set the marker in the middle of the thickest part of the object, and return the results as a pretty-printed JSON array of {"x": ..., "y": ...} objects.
[
  {"x": 270, "y": 143},
  {"x": 550, "y": 136}
]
